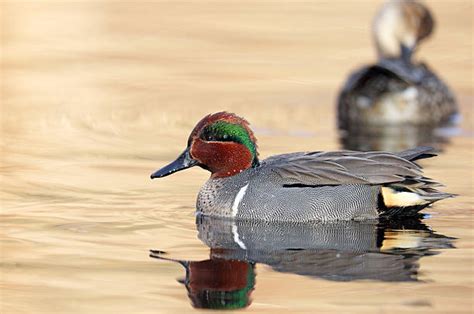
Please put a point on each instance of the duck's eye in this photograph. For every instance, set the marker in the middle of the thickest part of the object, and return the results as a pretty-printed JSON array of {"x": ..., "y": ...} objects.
[
  {"x": 211, "y": 136},
  {"x": 219, "y": 132},
  {"x": 208, "y": 136}
]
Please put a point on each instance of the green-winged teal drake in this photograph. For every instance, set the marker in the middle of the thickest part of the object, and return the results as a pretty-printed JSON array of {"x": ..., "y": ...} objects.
[
  {"x": 397, "y": 90},
  {"x": 303, "y": 186}
]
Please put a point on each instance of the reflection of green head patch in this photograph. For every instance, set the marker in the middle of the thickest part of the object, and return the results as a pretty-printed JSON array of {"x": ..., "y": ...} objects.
[
  {"x": 222, "y": 131},
  {"x": 226, "y": 300}
]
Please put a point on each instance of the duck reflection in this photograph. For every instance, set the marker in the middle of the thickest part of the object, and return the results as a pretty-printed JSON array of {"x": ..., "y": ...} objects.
[{"x": 339, "y": 251}]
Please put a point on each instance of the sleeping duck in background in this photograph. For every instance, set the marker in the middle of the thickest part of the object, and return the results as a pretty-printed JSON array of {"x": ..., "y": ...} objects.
[
  {"x": 397, "y": 90},
  {"x": 303, "y": 186}
]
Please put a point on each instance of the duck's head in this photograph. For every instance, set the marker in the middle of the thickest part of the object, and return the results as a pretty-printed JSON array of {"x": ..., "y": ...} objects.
[
  {"x": 222, "y": 143},
  {"x": 399, "y": 26}
]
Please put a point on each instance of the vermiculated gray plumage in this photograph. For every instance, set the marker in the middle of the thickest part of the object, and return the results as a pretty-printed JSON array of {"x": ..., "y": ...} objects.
[
  {"x": 342, "y": 185},
  {"x": 344, "y": 250}
]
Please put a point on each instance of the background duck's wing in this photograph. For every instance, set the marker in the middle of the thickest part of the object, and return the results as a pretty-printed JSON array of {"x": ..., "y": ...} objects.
[
  {"x": 349, "y": 167},
  {"x": 408, "y": 72},
  {"x": 374, "y": 77},
  {"x": 385, "y": 70}
]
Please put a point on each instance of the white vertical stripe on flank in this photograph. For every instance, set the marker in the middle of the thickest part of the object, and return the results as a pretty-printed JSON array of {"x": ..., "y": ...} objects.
[
  {"x": 238, "y": 199},
  {"x": 237, "y": 240}
]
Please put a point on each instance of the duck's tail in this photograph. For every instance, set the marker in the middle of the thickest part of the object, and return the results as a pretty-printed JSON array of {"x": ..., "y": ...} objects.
[
  {"x": 408, "y": 197},
  {"x": 420, "y": 152},
  {"x": 406, "y": 201}
]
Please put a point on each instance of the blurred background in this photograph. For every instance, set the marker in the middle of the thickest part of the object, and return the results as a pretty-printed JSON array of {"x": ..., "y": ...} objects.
[{"x": 95, "y": 95}]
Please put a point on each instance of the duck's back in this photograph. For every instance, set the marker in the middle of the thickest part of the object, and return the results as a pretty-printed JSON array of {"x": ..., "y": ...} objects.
[{"x": 394, "y": 92}]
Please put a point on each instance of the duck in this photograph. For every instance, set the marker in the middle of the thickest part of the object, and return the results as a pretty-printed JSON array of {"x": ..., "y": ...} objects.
[
  {"x": 300, "y": 186},
  {"x": 397, "y": 90}
]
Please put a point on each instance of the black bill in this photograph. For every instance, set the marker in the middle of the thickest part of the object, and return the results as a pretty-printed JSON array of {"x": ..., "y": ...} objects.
[{"x": 184, "y": 161}]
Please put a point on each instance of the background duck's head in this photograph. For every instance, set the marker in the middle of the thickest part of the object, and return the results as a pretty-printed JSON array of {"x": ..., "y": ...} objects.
[
  {"x": 399, "y": 26},
  {"x": 222, "y": 143}
]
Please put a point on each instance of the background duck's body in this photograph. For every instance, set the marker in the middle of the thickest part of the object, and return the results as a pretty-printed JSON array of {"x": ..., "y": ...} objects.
[
  {"x": 396, "y": 90},
  {"x": 393, "y": 92}
]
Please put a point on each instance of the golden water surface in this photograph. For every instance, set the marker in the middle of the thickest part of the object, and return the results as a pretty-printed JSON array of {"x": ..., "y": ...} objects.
[{"x": 95, "y": 95}]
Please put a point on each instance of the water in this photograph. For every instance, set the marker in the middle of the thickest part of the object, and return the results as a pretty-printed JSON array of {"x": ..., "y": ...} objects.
[{"x": 96, "y": 96}]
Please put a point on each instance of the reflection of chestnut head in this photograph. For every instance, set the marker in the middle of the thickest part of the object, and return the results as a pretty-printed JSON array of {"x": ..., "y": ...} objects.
[
  {"x": 217, "y": 283},
  {"x": 220, "y": 283}
]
